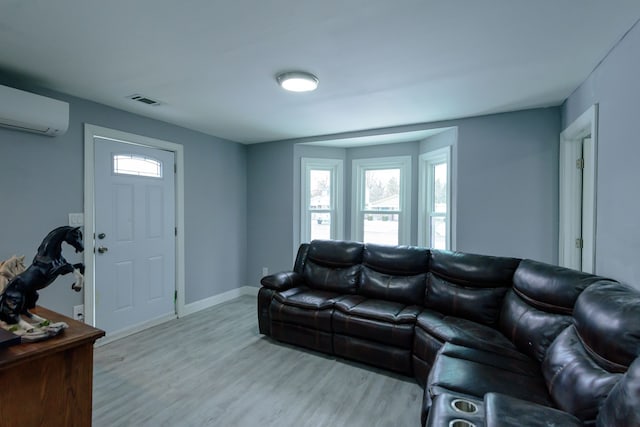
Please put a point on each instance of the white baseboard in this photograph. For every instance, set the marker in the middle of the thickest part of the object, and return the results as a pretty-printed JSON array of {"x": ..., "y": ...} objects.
[
  {"x": 132, "y": 330},
  {"x": 212, "y": 301}
]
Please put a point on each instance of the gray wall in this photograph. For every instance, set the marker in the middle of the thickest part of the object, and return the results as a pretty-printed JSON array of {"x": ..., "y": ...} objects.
[
  {"x": 242, "y": 202},
  {"x": 615, "y": 87},
  {"x": 270, "y": 209},
  {"x": 507, "y": 189},
  {"x": 42, "y": 180},
  {"x": 508, "y": 184}
]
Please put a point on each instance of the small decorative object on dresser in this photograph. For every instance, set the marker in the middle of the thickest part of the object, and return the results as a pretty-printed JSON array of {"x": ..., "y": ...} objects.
[
  {"x": 21, "y": 292},
  {"x": 9, "y": 269}
]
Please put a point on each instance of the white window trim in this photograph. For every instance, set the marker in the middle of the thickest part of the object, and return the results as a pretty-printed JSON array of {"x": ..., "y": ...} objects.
[
  {"x": 425, "y": 194},
  {"x": 359, "y": 166},
  {"x": 336, "y": 167}
]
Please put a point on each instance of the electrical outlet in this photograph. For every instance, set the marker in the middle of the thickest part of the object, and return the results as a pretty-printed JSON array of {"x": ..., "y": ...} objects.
[
  {"x": 76, "y": 219},
  {"x": 78, "y": 312},
  {"x": 265, "y": 271}
]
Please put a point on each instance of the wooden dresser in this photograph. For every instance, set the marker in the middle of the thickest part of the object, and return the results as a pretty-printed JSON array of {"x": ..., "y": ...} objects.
[{"x": 49, "y": 383}]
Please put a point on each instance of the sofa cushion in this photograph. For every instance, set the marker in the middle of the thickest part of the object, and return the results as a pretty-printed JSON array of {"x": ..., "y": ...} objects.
[
  {"x": 473, "y": 270},
  {"x": 303, "y": 297},
  {"x": 476, "y": 372},
  {"x": 576, "y": 382},
  {"x": 305, "y": 307},
  {"x": 607, "y": 318},
  {"x": 540, "y": 304},
  {"x": 385, "y": 311},
  {"x": 403, "y": 289},
  {"x": 394, "y": 273},
  {"x": 282, "y": 281},
  {"x": 532, "y": 330},
  {"x": 465, "y": 333},
  {"x": 394, "y": 334},
  {"x": 518, "y": 365},
  {"x": 477, "y": 304},
  {"x": 396, "y": 260},
  {"x": 468, "y": 285},
  {"x": 335, "y": 253},
  {"x": 506, "y": 411},
  {"x": 386, "y": 322},
  {"x": 549, "y": 287},
  {"x": 343, "y": 280},
  {"x": 620, "y": 409},
  {"x": 333, "y": 265},
  {"x": 587, "y": 360}
]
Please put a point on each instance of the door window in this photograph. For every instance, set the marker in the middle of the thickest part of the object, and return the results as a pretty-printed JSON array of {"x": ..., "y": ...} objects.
[{"x": 134, "y": 164}]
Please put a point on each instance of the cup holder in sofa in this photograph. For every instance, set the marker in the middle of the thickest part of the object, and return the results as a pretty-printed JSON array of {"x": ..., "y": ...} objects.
[
  {"x": 461, "y": 423},
  {"x": 465, "y": 406}
]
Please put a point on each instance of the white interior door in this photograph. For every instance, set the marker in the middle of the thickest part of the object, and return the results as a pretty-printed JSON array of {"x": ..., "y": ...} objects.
[
  {"x": 135, "y": 253},
  {"x": 571, "y": 190},
  {"x": 578, "y": 178},
  {"x": 587, "y": 212}
]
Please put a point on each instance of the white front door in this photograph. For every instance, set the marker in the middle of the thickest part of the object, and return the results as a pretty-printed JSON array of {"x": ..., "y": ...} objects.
[{"x": 135, "y": 242}]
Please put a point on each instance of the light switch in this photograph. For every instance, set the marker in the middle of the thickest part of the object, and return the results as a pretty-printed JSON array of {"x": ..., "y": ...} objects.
[{"x": 76, "y": 219}]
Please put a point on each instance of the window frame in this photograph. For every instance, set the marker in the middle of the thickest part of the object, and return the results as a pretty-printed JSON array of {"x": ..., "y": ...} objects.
[
  {"x": 427, "y": 162},
  {"x": 359, "y": 169},
  {"x": 336, "y": 169},
  {"x": 134, "y": 159}
]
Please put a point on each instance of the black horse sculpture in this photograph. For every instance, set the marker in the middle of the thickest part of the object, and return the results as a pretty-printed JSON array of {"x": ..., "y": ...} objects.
[{"x": 21, "y": 293}]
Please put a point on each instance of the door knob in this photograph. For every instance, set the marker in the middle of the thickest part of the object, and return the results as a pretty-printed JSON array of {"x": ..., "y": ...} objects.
[
  {"x": 101, "y": 236},
  {"x": 102, "y": 249}
]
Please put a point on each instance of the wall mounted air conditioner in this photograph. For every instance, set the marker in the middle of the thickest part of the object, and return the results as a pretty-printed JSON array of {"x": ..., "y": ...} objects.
[{"x": 25, "y": 111}]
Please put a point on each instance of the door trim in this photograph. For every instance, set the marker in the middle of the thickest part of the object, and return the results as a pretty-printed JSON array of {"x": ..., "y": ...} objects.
[
  {"x": 90, "y": 132},
  {"x": 583, "y": 126}
]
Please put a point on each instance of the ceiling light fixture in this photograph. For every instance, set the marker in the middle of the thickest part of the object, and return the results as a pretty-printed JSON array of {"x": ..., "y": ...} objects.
[{"x": 297, "y": 81}]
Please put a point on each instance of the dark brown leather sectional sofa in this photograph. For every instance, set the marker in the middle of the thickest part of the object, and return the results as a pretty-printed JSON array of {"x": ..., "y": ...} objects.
[{"x": 495, "y": 341}]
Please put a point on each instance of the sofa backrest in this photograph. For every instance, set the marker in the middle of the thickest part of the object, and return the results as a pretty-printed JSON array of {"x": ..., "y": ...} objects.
[
  {"x": 468, "y": 285},
  {"x": 620, "y": 408},
  {"x": 333, "y": 265},
  {"x": 589, "y": 358},
  {"x": 539, "y": 305},
  {"x": 394, "y": 273},
  {"x": 301, "y": 258}
]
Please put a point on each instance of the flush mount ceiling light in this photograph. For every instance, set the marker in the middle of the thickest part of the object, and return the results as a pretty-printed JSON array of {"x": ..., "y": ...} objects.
[{"x": 297, "y": 81}]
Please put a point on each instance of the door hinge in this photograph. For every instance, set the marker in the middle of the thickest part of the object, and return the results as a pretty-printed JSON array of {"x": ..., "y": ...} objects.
[
  {"x": 175, "y": 168},
  {"x": 579, "y": 243},
  {"x": 175, "y": 231},
  {"x": 580, "y": 163}
]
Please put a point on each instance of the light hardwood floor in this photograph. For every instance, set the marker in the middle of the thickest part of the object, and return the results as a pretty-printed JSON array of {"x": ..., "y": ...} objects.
[{"x": 213, "y": 368}]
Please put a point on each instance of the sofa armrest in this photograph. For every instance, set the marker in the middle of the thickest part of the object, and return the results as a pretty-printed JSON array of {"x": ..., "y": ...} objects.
[
  {"x": 506, "y": 411},
  {"x": 282, "y": 281}
]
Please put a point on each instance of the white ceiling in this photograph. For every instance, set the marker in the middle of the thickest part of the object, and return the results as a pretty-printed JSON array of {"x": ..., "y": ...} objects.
[{"x": 381, "y": 63}]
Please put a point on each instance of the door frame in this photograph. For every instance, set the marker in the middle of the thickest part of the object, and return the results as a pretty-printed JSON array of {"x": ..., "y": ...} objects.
[
  {"x": 570, "y": 138},
  {"x": 90, "y": 133}
]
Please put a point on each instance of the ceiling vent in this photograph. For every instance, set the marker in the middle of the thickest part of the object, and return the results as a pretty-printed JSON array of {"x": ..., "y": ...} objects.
[{"x": 143, "y": 99}]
